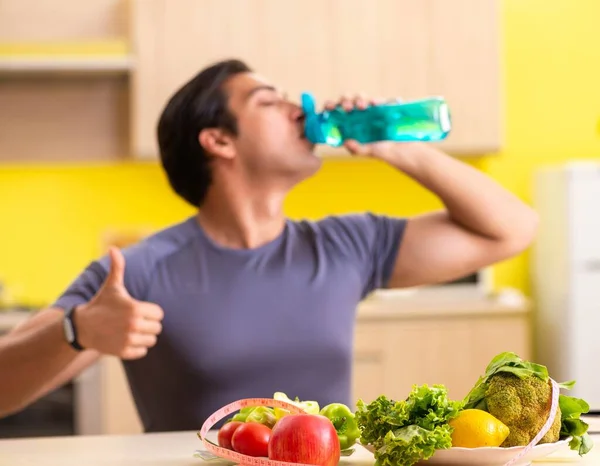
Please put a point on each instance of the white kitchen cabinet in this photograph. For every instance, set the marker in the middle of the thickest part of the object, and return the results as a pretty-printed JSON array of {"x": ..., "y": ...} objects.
[
  {"x": 566, "y": 275},
  {"x": 388, "y": 48},
  {"x": 398, "y": 343}
]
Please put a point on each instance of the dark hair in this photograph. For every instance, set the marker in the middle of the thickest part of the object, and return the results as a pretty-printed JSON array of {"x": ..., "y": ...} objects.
[{"x": 198, "y": 104}]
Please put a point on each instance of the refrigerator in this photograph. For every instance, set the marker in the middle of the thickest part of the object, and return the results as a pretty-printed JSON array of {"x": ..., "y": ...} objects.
[{"x": 565, "y": 267}]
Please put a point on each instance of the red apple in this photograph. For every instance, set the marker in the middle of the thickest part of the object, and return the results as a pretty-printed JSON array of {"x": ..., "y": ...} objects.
[{"x": 305, "y": 438}]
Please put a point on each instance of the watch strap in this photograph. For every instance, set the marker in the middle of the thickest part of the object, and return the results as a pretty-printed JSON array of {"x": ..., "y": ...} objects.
[{"x": 70, "y": 329}]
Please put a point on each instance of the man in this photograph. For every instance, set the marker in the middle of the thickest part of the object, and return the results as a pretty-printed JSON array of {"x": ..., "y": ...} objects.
[{"x": 239, "y": 301}]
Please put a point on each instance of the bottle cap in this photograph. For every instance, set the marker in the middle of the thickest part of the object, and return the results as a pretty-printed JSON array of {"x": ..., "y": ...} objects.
[
  {"x": 312, "y": 123},
  {"x": 318, "y": 127}
]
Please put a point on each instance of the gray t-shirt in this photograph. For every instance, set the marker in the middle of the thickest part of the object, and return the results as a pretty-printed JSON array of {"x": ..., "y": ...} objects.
[{"x": 245, "y": 323}]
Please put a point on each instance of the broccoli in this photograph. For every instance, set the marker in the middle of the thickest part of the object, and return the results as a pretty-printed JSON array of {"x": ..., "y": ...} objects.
[
  {"x": 523, "y": 405},
  {"x": 519, "y": 394}
]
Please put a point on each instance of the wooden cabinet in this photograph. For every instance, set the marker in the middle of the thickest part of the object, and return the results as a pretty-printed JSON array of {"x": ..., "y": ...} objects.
[
  {"x": 465, "y": 66},
  {"x": 398, "y": 345},
  {"x": 104, "y": 404},
  {"x": 55, "y": 120},
  {"x": 90, "y": 81},
  {"x": 63, "y": 80},
  {"x": 388, "y": 48}
]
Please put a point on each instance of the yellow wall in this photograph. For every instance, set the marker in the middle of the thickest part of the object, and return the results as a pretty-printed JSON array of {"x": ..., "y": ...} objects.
[{"x": 52, "y": 218}]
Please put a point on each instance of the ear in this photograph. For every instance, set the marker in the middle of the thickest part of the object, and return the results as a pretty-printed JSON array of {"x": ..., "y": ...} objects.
[{"x": 217, "y": 142}]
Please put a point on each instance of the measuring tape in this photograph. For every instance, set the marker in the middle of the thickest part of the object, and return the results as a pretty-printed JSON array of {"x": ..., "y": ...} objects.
[
  {"x": 545, "y": 428},
  {"x": 233, "y": 455},
  {"x": 244, "y": 460}
]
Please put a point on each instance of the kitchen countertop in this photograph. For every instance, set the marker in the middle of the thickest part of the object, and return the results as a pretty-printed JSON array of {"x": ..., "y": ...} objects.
[
  {"x": 172, "y": 449},
  {"x": 399, "y": 304},
  {"x": 10, "y": 319}
]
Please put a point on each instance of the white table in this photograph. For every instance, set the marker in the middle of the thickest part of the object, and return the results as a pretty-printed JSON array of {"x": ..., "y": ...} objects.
[{"x": 169, "y": 449}]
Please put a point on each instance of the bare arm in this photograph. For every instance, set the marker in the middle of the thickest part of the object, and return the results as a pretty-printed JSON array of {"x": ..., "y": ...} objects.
[
  {"x": 35, "y": 359},
  {"x": 482, "y": 224}
]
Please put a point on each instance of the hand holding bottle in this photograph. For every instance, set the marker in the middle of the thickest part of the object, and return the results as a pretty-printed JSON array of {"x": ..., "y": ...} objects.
[
  {"x": 359, "y": 102},
  {"x": 358, "y": 122}
]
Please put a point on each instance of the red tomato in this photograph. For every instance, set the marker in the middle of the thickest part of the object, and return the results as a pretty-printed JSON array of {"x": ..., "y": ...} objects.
[
  {"x": 252, "y": 439},
  {"x": 226, "y": 432}
]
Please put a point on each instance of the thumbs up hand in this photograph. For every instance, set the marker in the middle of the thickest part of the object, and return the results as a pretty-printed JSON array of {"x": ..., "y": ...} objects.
[{"x": 115, "y": 323}]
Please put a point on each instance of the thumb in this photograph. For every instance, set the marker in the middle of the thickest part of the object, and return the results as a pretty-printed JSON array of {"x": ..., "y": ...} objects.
[{"x": 116, "y": 273}]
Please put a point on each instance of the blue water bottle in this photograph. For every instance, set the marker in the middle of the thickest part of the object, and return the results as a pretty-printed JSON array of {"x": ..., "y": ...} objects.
[{"x": 418, "y": 120}]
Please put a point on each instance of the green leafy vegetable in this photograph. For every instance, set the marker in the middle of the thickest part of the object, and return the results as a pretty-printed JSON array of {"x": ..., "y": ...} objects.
[
  {"x": 309, "y": 407},
  {"x": 243, "y": 414},
  {"x": 406, "y": 432},
  {"x": 571, "y": 409},
  {"x": 269, "y": 416}
]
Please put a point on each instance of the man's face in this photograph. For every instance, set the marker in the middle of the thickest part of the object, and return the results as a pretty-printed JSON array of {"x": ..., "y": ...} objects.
[{"x": 270, "y": 143}]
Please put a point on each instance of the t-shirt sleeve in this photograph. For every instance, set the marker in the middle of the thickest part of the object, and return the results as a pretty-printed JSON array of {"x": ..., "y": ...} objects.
[
  {"x": 83, "y": 288},
  {"x": 370, "y": 241},
  {"x": 87, "y": 283}
]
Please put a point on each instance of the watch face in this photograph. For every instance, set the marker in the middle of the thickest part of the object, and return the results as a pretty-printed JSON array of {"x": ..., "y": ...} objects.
[{"x": 68, "y": 328}]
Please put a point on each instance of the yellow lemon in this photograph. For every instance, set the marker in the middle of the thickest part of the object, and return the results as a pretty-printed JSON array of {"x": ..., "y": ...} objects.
[{"x": 476, "y": 428}]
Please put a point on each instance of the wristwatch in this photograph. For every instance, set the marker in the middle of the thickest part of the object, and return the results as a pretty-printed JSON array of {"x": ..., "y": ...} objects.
[{"x": 70, "y": 329}]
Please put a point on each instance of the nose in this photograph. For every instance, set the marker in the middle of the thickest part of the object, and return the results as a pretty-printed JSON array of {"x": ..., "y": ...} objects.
[{"x": 296, "y": 113}]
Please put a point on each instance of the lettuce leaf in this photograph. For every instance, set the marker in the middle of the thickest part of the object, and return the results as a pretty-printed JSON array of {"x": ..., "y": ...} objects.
[
  {"x": 406, "y": 432},
  {"x": 571, "y": 409}
]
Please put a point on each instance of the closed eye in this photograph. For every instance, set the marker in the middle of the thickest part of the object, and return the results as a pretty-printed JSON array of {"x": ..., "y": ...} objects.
[{"x": 270, "y": 98}]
